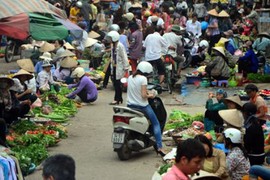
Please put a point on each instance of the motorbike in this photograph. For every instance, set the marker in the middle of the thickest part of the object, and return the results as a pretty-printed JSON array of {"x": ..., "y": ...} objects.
[
  {"x": 13, "y": 48},
  {"x": 132, "y": 128},
  {"x": 188, "y": 41}
]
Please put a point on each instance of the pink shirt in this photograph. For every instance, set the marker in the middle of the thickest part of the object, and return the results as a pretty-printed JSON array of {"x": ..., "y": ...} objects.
[{"x": 175, "y": 174}]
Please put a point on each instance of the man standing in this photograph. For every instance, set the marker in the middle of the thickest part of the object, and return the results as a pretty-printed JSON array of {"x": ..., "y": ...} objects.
[
  {"x": 154, "y": 43},
  {"x": 175, "y": 42}
]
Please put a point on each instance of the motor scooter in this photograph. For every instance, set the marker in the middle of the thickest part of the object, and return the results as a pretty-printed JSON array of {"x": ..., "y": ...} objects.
[{"x": 132, "y": 128}]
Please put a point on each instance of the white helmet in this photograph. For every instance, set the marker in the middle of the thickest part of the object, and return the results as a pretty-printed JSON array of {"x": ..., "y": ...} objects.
[
  {"x": 78, "y": 72},
  {"x": 114, "y": 27},
  {"x": 233, "y": 134},
  {"x": 145, "y": 67},
  {"x": 204, "y": 43},
  {"x": 79, "y": 4},
  {"x": 113, "y": 35}
]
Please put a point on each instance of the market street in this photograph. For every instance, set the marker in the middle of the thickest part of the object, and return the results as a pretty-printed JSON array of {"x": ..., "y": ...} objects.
[{"x": 89, "y": 140}]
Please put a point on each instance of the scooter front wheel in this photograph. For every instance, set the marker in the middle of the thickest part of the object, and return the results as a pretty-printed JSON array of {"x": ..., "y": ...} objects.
[{"x": 124, "y": 153}]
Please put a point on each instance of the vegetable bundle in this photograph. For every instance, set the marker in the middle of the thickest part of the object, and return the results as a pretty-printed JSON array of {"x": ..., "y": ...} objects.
[{"x": 179, "y": 119}]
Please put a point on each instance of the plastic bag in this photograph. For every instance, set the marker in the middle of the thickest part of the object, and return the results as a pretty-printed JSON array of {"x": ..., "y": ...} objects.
[{"x": 232, "y": 82}]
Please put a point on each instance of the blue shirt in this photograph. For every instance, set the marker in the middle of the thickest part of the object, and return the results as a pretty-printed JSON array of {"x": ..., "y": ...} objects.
[
  {"x": 251, "y": 56},
  {"x": 124, "y": 41},
  {"x": 114, "y": 6}
]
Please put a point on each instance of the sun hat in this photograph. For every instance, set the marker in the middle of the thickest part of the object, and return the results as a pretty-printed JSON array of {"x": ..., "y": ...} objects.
[
  {"x": 223, "y": 14},
  {"x": 95, "y": 1},
  {"x": 4, "y": 78},
  {"x": 176, "y": 28},
  {"x": 90, "y": 42},
  {"x": 219, "y": 49},
  {"x": 129, "y": 16},
  {"x": 228, "y": 33},
  {"x": 23, "y": 72},
  {"x": 46, "y": 63},
  {"x": 68, "y": 62},
  {"x": 46, "y": 55},
  {"x": 147, "y": 13},
  {"x": 213, "y": 12},
  {"x": 93, "y": 34},
  {"x": 26, "y": 64},
  {"x": 203, "y": 175},
  {"x": 47, "y": 47},
  {"x": 136, "y": 5},
  {"x": 66, "y": 53},
  {"x": 235, "y": 99},
  {"x": 68, "y": 46},
  {"x": 233, "y": 117}
]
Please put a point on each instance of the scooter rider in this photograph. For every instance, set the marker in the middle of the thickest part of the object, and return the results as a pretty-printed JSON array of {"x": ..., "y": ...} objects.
[
  {"x": 137, "y": 97},
  {"x": 175, "y": 41}
]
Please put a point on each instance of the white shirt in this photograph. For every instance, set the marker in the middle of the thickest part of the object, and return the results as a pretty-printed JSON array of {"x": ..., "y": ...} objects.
[
  {"x": 31, "y": 84},
  {"x": 160, "y": 21},
  {"x": 134, "y": 94},
  {"x": 44, "y": 78},
  {"x": 154, "y": 43},
  {"x": 173, "y": 40},
  {"x": 195, "y": 28}
]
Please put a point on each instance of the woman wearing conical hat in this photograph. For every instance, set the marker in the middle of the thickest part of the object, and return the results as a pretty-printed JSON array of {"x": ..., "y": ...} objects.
[{"x": 22, "y": 92}]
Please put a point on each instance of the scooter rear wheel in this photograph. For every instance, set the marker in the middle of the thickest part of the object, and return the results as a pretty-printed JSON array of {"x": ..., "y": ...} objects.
[{"x": 124, "y": 153}]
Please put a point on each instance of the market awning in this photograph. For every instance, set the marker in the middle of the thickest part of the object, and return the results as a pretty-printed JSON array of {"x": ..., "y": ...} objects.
[{"x": 13, "y": 7}]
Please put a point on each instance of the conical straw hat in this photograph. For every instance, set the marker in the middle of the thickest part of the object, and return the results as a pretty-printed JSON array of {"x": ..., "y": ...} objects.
[
  {"x": 90, "y": 42},
  {"x": 66, "y": 53},
  {"x": 47, "y": 47},
  {"x": 233, "y": 117},
  {"x": 235, "y": 99},
  {"x": 69, "y": 46},
  {"x": 26, "y": 64},
  {"x": 93, "y": 34},
  {"x": 220, "y": 49},
  {"x": 68, "y": 62},
  {"x": 213, "y": 12},
  {"x": 223, "y": 14},
  {"x": 23, "y": 72},
  {"x": 4, "y": 78}
]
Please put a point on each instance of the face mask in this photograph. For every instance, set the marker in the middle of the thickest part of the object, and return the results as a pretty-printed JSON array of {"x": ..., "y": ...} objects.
[{"x": 3, "y": 85}]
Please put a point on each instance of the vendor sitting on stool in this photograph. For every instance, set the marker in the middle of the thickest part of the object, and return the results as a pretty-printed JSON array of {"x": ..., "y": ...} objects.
[
  {"x": 86, "y": 89},
  {"x": 212, "y": 119}
]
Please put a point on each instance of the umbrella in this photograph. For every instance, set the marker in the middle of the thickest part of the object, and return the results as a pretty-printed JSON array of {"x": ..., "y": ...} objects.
[
  {"x": 13, "y": 7},
  {"x": 38, "y": 26}
]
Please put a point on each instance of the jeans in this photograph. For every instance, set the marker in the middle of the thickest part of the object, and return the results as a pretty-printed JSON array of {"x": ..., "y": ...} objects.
[
  {"x": 259, "y": 171},
  {"x": 154, "y": 121}
]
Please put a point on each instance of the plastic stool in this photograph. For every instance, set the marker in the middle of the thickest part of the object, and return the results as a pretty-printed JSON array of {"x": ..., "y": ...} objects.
[{"x": 223, "y": 83}]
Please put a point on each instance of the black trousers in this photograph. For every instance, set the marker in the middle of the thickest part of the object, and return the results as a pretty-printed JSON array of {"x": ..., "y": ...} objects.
[
  {"x": 31, "y": 97},
  {"x": 83, "y": 96},
  {"x": 117, "y": 87},
  {"x": 15, "y": 112}
]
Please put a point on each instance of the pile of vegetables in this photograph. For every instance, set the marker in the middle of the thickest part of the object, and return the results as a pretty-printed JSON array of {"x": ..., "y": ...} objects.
[
  {"x": 180, "y": 119},
  {"x": 29, "y": 141},
  {"x": 56, "y": 107}
]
